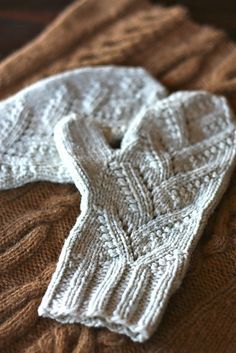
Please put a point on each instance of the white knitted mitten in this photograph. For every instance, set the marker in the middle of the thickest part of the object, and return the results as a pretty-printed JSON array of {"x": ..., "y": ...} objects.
[
  {"x": 144, "y": 206},
  {"x": 27, "y": 119}
]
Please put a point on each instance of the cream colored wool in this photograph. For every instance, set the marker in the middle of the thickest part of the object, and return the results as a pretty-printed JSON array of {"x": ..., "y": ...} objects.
[
  {"x": 144, "y": 205},
  {"x": 27, "y": 119}
]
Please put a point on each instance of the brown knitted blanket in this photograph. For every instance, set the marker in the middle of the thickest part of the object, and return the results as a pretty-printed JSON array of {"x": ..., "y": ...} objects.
[{"x": 36, "y": 218}]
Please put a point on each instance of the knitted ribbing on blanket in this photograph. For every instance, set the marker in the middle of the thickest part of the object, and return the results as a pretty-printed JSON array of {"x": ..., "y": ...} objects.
[
  {"x": 143, "y": 208},
  {"x": 35, "y": 219},
  {"x": 27, "y": 120}
]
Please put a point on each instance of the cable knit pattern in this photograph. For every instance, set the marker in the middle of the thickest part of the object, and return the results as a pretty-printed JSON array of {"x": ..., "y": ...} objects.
[
  {"x": 145, "y": 202},
  {"x": 27, "y": 120}
]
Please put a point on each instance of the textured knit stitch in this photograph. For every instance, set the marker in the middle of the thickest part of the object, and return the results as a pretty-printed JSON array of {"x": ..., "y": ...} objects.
[
  {"x": 144, "y": 205},
  {"x": 200, "y": 316},
  {"x": 132, "y": 31},
  {"x": 27, "y": 120}
]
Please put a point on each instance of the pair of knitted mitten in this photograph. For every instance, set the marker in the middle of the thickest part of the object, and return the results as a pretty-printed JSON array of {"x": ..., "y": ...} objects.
[
  {"x": 150, "y": 170},
  {"x": 27, "y": 119},
  {"x": 145, "y": 200}
]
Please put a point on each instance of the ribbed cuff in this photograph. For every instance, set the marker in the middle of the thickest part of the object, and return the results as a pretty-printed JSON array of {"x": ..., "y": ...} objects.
[{"x": 127, "y": 298}]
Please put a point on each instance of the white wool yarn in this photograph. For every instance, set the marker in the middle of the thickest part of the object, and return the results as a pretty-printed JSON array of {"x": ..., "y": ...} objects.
[
  {"x": 144, "y": 205},
  {"x": 110, "y": 94}
]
